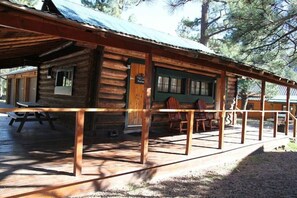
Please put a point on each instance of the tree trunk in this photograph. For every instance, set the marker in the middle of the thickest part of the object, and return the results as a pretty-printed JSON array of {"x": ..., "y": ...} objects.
[
  {"x": 244, "y": 102},
  {"x": 204, "y": 23}
]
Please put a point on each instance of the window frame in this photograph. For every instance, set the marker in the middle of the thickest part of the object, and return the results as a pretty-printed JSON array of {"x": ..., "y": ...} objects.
[
  {"x": 186, "y": 77},
  {"x": 170, "y": 81},
  {"x": 207, "y": 89},
  {"x": 64, "y": 89}
]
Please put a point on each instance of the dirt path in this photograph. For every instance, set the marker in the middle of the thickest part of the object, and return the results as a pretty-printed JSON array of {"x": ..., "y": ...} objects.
[{"x": 269, "y": 174}]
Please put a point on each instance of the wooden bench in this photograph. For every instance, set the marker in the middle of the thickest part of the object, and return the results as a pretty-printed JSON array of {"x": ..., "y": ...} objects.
[{"x": 30, "y": 117}]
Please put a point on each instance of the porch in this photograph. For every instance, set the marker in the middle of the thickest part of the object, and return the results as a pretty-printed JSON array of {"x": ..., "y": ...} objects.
[{"x": 39, "y": 161}]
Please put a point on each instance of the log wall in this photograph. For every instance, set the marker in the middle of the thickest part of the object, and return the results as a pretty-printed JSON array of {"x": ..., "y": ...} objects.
[
  {"x": 81, "y": 61},
  {"x": 231, "y": 97},
  {"x": 231, "y": 92},
  {"x": 112, "y": 91},
  {"x": 111, "y": 86}
]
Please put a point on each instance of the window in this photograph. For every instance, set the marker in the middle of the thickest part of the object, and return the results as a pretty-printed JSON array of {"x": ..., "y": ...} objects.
[
  {"x": 186, "y": 87},
  {"x": 64, "y": 81},
  {"x": 176, "y": 85},
  {"x": 204, "y": 89},
  {"x": 163, "y": 84},
  {"x": 195, "y": 87},
  {"x": 200, "y": 88},
  {"x": 170, "y": 84}
]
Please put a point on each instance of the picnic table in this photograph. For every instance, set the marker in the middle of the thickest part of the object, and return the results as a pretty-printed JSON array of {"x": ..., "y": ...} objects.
[{"x": 23, "y": 117}]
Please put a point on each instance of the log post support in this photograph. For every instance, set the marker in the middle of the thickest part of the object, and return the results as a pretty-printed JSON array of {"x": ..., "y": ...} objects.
[
  {"x": 189, "y": 132},
  {"x": 295, "y": 128},
  {"x": 275, "y": 124},
  {"x": 288, "y": 110},
  {"x": 223, "y": 108},
  {"x": 243, "y": 129},
  {"x": 146, "y": 118},
  {"x": 78, "y": 144},
  {"x": 262, "y": 106}
]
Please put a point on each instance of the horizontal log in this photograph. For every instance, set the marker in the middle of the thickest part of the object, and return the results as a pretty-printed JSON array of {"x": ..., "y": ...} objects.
[
  {"x": 110, "y": 113},
  {"x": 110, "y": 104},
  {"x": 119, "y": 83},
  {"x": 178, "y": 64},
  {"x": 158, "y": 105},
  {"x": 194, "y": 71},
  {"x": 112, "y": 89},
  {"x": 111, "y": 96},
  {"x": 125, "y": 52},
  {"x": 84, "y": 54},
  {"x": 62, "y": 102},
  {"x": 46, "y": 82},
  {"x": 79, "y": 66},
  {"x": 110, "y": 119},
  {"x": 47, "y": 88},
  {"x": 160, "y": 117},
  {"x": 113, "y": 74},
  {"x": 230, "y": 79},
  {"x": 113, "y": 64},
  {"x": 115, "y": 57},
  {"x": 109, "y": 127}
]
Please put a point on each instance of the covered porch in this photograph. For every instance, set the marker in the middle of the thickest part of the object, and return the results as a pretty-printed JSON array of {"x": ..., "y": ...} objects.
[{"x": 39, "y": 161}]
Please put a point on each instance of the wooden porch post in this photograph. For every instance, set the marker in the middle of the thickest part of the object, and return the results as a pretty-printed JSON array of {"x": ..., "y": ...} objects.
[
  {"x": 223, "y": 108},
  {"x": 78, "y": 145},
  {"x": 190, "y": 132},
  {"x": 243, "y": 129},
  {"x": 146, "y": 116},
  {"x": 288, "y": 110},
  {"x": 262, "y": 106},
  {"x": 295, "y": 128},
  {"x": 275, "y": 124}
]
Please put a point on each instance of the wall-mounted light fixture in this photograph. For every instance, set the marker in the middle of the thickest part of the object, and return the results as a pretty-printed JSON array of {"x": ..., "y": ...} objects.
[{"x": 49, "y": 72}]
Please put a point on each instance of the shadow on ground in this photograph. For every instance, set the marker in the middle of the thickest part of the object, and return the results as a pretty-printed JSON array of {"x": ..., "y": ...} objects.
[{"x": 262, "y": 174}]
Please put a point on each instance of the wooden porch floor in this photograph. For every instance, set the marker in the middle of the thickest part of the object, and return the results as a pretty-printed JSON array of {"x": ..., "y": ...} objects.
[{"x": 39, "y": 162}]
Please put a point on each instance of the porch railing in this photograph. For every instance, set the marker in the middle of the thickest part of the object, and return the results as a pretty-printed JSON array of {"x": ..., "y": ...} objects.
[{"x": 80, "y": 115}]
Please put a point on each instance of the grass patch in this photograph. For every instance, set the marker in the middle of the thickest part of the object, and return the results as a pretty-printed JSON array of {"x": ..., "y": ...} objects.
[{"x": 292, "y": 145}]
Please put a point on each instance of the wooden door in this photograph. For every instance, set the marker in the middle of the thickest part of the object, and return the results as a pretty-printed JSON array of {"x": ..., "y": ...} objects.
[{"x": 136, "y": 93}]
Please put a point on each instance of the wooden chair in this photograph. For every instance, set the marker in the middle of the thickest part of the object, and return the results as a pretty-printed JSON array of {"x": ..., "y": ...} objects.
[
  {"x": 176, "y": 120},
  {"x": 209, "y": 117}
]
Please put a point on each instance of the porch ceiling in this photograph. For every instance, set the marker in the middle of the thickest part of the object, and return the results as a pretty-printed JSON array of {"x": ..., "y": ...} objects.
[{"x": 18, "y": 48}]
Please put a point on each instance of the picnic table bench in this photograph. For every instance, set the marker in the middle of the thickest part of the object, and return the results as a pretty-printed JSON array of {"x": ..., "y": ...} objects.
[{"x": 23, "y": 117}]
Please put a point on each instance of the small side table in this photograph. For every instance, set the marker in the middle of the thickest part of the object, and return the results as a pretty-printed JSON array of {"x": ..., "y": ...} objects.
[{"x": 200, "y": 121}]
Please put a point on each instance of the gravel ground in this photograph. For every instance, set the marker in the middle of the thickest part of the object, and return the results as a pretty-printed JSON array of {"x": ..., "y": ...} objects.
[{"x": 269, "y": 174}]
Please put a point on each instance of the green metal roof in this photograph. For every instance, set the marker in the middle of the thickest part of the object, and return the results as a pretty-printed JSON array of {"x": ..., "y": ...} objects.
[{"x": 98, "y": 19}]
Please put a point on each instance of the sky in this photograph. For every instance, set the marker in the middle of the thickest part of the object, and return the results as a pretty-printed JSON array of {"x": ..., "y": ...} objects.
[{"x": 157, "y": 15}]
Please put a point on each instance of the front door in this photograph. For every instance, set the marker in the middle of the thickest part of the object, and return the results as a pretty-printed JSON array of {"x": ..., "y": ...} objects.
[{"x": 136, "y": 93}]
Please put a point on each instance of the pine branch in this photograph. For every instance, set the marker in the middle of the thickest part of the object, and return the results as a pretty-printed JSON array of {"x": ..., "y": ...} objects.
[
  {"x": 275, "y": 41},
  {"x": 220, "y": 31}
]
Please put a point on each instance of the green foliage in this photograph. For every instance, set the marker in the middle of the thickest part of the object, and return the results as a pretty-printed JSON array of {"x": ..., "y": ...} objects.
[
  {"x": 210, "y": 24},
  {"x": 265, "y": 27}
]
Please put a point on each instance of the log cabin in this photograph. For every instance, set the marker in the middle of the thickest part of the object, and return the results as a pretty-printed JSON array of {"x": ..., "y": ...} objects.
[{"x": 86, "y": 58}]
